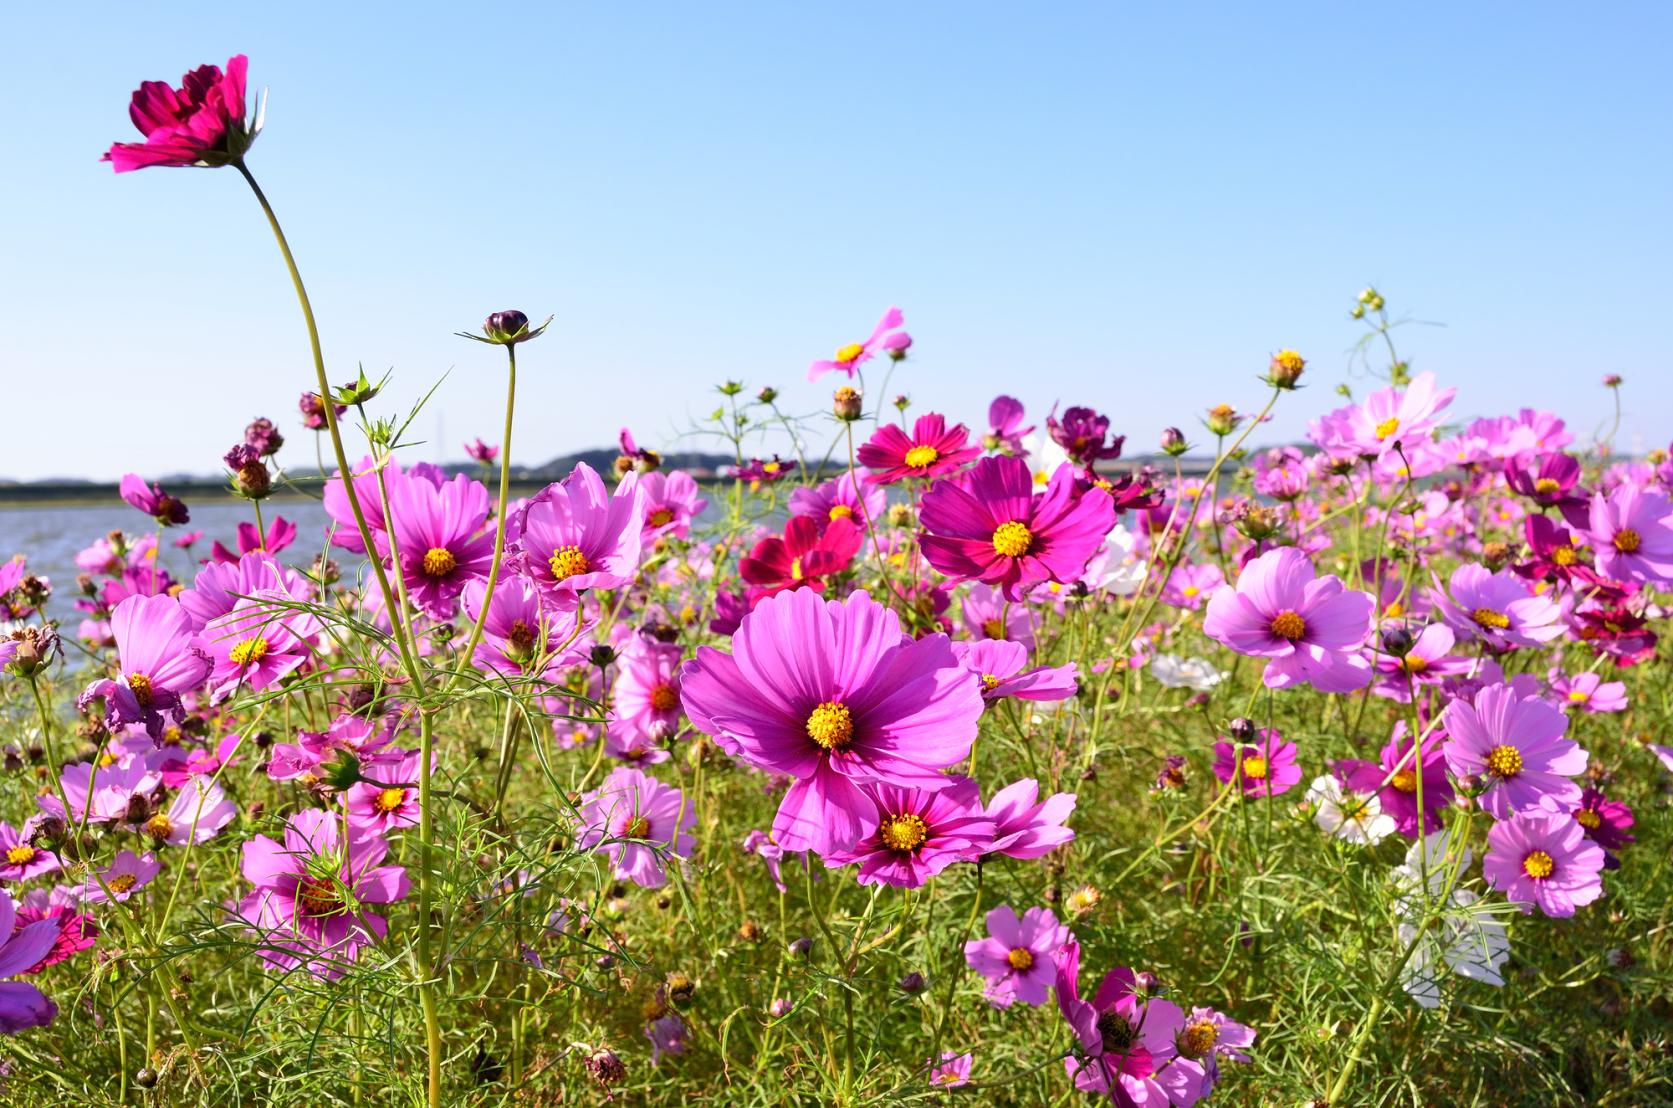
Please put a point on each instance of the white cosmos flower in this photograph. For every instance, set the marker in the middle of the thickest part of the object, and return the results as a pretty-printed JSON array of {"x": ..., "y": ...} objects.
[
  {"x": 1185, "y": 673},
  {"x": 1116, "y": 568},
  {"x": 1044, "y": 456},
  {"x": 1349, "y": 816},
  {"x": 1469, "y": 939}
]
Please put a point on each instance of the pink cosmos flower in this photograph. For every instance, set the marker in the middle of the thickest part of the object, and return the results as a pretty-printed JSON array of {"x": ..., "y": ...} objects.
[
  {"x": 1128, "y": 1045},
  {"x": 1026, "y": 827},
  {"x": 953, "y": 1071},
  {"x": 855, "y": 354},
  {"x": 636, "y": 820},
  {"x": 311, "y": 905},
  {"x": 479, "y": 451},
  {"x": 1632, "y": 531},
  {"x": 1555, "y": 483},
  {"x": 280, "y": 534},
  {"x": 350, "y": 735},
  {"x": 386, "y": 800},
  {"x": 1394, "y": 780},
  {"x": 312, "y": 408},
  {"x": 1281, "y": 474},
  {"x": 198, "y": 813},
  {"x": 1191, "y": 585},
  {"x": 220, "y": 585},
  {"x": 22, "y": 1005},
  {"x": 989, "y": 526},
  {"x": 1543, "y": 860},
  {"x": 439, "y": 534},
  {"x": 257, "y": 644},
  {"x": 363, "y": 477},
  {"x": 527, "y": 632},
  {"x": 101, "y": 794},
  {"x": 833, "y": 694},
  {"x": 1001, "y": 667},
  {"x": 1310, "y": 628},
  {"x": 1428, "y": 662},
  {"x": 930, "y": 451},
  {"x": 646, "y": 700},
  {"x": 153, "y": 501},
  {"x": 1081, "y": 433},
  {"x": 918, "y": 833},
  {"x": 1017, "y": 956},
  {"x": 126, "y": 873},
  {"x": 19, "y": 858},
  {"x": 200, "y": 123},
  {"x": 1516, "y": 744},
  {"x": 1588, "y": 691},
  {"x": 1269, "y": 766},
  {"x": 803, "y": 557},
  {"x": 1209, "y": 1036},
  {"x": 988, "y": 615},
  {"x": 574, "y": 535},
  {"x": 671, "y": 503},
  {"x": 1004, "y": 427},
  {"x": 76, "y": 929},
  {"x": 843, "y": 497},
  {"x": 1496, "y": 608},
  {"x": 157, "y": 663},
  {"x": 1392, "y": 416}
]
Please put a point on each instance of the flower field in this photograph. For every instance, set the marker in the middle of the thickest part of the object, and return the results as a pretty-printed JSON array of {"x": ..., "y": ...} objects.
[{"x": 938, "y": 757}]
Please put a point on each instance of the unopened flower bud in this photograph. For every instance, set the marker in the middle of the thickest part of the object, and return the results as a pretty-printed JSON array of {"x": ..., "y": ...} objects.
[
  {"x": 779, "y": 1008},
  {"x": 1242, "y": 729},
  {"x": 902, "y": 402},
  {"x": 1611, "y": 380},
  {"x": 912, "y": 983},
  {"x": 767, "y": 395},
  {"x": 264, "y": 436},
  {"x": 1285, "y": 369},
  {"x": 506, "y": 327},
  {"x": 1223, "y": 419},
  {"x": 1398, "y": 641},
  {"x": 802, "y": 947},
  {"x": 846, "y": 404},
  {"x": 602, "y": 655},
  {"x": 1173, "y": 442}
]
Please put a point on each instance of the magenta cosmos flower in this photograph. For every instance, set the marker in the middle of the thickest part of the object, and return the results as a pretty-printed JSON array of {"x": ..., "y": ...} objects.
[
  {"x": 855, "y": 354},
  {"x": 1394, "y": 778},
  {"x": 1543, "y": 860},
  {"x": 438, "y": 531},
  {"x": 22, "y": 1005},
  {"x": 574, "y": 535},
  {"x": 1496, "y": 608},
  {"x": 954, "y": 1070},
  {"x": 843, "y": 497},
  {"x": 1127, "y": 1044},
  {"x": 646, "y": 696},
  {"x": 931, "y": 450},
  {"x": 200, "y": 123},
  {"x": 19, "y": 858},
  {"x": 1017, "y": 955},
  {"x": 479, "y": 451},
  {"x": 1632, "y": 532},
  {"x": 1005, "y": 429},
  {"x": 1516, "y": 744},
  {"x": 526, "y": 633},
  {"x": 1268, "y": 767},
  {"x": 1605, "y": 822},
  {"x": 1002, "y": 669},
  {"x": 157, "y": 662},
  {"x": 835, "y": 695},
  {"x": 385, "y": 800},
  {"x": 1025, "y": 826},
  {"x": 1310, "y": 628},
  {"x": 257, "y": 644},
  {"x": 671, "y": 503},
  {"x": 153, "y": 501},
  {"x": 636, "y": 821},
  {"x": 919, "y": 833},
  {"x": 990, "y": 526},
  {"x": 313, "y": 893}
]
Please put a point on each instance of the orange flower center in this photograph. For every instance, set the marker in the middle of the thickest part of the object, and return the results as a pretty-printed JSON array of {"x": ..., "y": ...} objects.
[
  {"x": 388, "y": 800},
  {"x": 1564, "y": 555},
  {"x": 664, "y": 698},
  {"x": 439, "y": 562},
  {"x": 319, "y": 896},
  {"x": 1588, "y": 819},
  {"x": 1626, "y": 540},
  {"x": 1545, "y": 486},
  {"x": 159, "y": 826},
  {"x": 1198, "y": 1038},
  {"x": 1487, "y": 617},
  {"x": 831, "y": 725},
  {"x": 141, "y": 685},
  {"x": 1020, "y": 958},
  {"x": 1289, "y": 625},
  {"x": 637, "y": 828},
  {"x": 662, "y": 517},
  {"x": 1504, "y": 761},
  {"x": 1404, "y": 780},
  {"x": 904, "y": 833}
]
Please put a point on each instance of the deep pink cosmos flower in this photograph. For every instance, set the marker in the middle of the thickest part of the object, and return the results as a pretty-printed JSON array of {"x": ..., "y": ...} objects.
[
  {"x": 636, "y": 821},
  {"x": 1496, "y": 608},
  {"x": 1394, "y": 779},
  {"x": 359, "y": 738},
  {"x": 156, "y": 660},
  {"x": 385, "y": 800},
  {"x": 1605, "y": 822},
  {"x": 1632, "y": 531},
  {"x": 19, "y": 858},
  {"x": 989, "y": 526},
  {"x": 671, "y": 503},
  {"x": 1081, "y": 433},
  {"x": 953, "y": 1070},
  {"x": 1516, "y": 744},
  {"x": 1543, "y": 860},
  {"x": 200, "y": 123},
  {"x": 153, "y": 501},
  {"x": 1005, "y": 431},
  {"x": 1554, "y": 553},
  {"x": 1588, "y": 691},
  {"x": 261, "y": 641},
  {"x": 575, "y": 535},
  {"x": 1026, "y": 827},
  {"x": 76, "y": 929},
  {"x": 1310, "y": 628},
  {"x": 22, "y": 1005},
  {"x": 933, "y": 449},
  {"x": 835, "y": 695},
  {"x": 759, "y": 472},
  {"x": 479, "y": 451},
  {"x": 1002, "y": 669},
  {"x": 311, "y": 905},
  {"x": 527, "y": 632},
  {"x": 1554, "y": 483},
  {"x": 1127, "y": 1045},
  {"x": 803, "y": 557},
  {"x": 855, "y": 354},
  {"x": 646, "y": 697},
  {"x": 1209, "y": 1036},
  {"x": 843, "y": 497},
  {"x": 1017, "y": 956},
  {"x": 438, "y": 533},
  {"x": 1268, "y": 767},
  {"x": 918, "y": 833},
  {"x": 280, "y": 534}
]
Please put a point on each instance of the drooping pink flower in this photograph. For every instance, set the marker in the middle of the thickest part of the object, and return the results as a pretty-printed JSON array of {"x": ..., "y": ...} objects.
[
  {"x": 1394, "y": 780},
  {"x": 361, "y": 738},
  {"x": 856, "y": 354},
  {"x": 1496, "y": 608},
  {"x": 989, "y": 526},
  {"x": 167, "y": 510},
  {"x": 835, "y": 695},
  {"x": 574, "y": 535},
  {"x": 478, "y": 451},
  {"x": 1268, "y": 767},
  {"x": 1605, "y": 822},
  {"x": 1516, "y": 744},
  {"x": 200, "y": 123},
  {"x": 1002, "y": 669},
  {"x": 1082, "y": 433},
  {"x": 1543, "y": 860},
  {"x": 1309, "y": 628},
  {"x": 1017, "y": 956},
  {"x": 931, "y": 450},
  {"x": 157, "y": 662},
  {"x": 1004, "y": 427},
  {"x": 1632, "y": 531},
  {"x": 98, "y": 793},
  {"x": 918, "y": 833},
  {"x": 1025, "y": 826},
  {"x": 633, "y": 818}
]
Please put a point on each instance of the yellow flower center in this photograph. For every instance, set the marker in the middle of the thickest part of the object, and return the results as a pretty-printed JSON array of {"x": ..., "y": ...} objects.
[
  {"x": 841, "y": 511},
  {"x": 993, "y": 629},
  {"x": 1189, "y": 591},
  {"x": 1254, "y": 767},
  {"x": 1564, "y": 555},
  {"x": 1394, "y": 610},
  {"x": 1626, "y": 540},
  {"x": 566, "y": 562},
  {"x": 20, "y": 855},
  {"x": 1545, "y": 486},
  {"x": 664, "y": 698},
  {"x": 159, "y": 826},
  {"x": 1290, "y": 360},
  {"x": 771, "y": 467},
  {"x": 1387, "y": 427},
  {"x": 830, "y": 725},
  {"x": 989, "y": 682},
  {"x": 1415, "y": 663},
  {"x": 1487, "y": 617},
  {"x": 388, "y": 800},
  {"x": 1020, "y": 958},
  {"x": 1289, "y": 625},
  {"x": 850, "y": 352},
  {"x": 122, "y": 882},
  {"x": 1579, "y": 696},
  {"x": 1012, "y": 539},
  {"x": 1538, "y": 865},
  {"x": 1404, "y": 780},
  {"x": 1588, "y": 819},
  {"x": 1041, "y": 477},
  {"x": 141, "y": 685},
  {"x": 1198, "y": 1038},
  {"x": 921, "y": 456},
  {"x": 439, "y": 562},
  {"x": 904, "y": 833},
  {"x": 248, "y": 651},
  {"x": 795, "y": 569},
  {"x": 1504, "y": 761}
]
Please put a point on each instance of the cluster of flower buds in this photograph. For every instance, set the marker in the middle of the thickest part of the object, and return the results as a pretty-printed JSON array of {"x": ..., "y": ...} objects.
[{"x": 250, "y": 478}]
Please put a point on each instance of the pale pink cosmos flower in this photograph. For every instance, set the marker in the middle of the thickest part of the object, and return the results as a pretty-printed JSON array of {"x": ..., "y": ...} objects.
[
  {"x": 855, "y": 354},
  {"x": 636, "y": 821},
  {"x": 1516, "y": 744},
  {"x": 1497, "y": 608},
  {"x": 1588, "y": 691},
  {"x": 1017, "y": 956},
  {"x": 1025, "y": 826},
  {"x": 1309, "y": 628},
  {"x": 1632, "y": 532}
]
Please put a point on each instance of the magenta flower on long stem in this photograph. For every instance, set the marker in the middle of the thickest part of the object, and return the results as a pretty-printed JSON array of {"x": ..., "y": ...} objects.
[
  {"x": 672, "y": 501},
  {"x": 1127, "y": 1044},
  {"x": 1543, "y": 860},
  {"x": 1005, "y": 430},
  {"x": 1002, "y": 669},
  {"x": 919, "y": 833},
  {"x": 1024, "y": 826},
  {"x": 835, "y": 695},
  {"x": 1394, "y": 779},
  {"x": 989, "y": 526},
  {"x": 1268, "y": 767},
  {"x": 574, "y": 535},
  {"x": 1496, "y": 608},
  {"x": 1632, "y": 532},
  {"x": 200, "y": 123},
  {"x": 1309, "y": 628},
  {"x": 845, "y": 496},
  {"x": 635, "y": 820},
  {"x": 22, "y": 1005},
  {"x": 931, "y": 450},
  {"x": 1017, "y": 956},
  {"x": 438, "y": 532},
  {"x": 157, "y": 663},
  {"x": 855, "y": 354},
  {"x": 1392, "y": 416},
  {"x": 1515, "y": 744}
]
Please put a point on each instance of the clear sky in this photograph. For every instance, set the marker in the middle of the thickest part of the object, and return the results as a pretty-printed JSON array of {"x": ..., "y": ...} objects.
[{"x": 1102, "y": 203}]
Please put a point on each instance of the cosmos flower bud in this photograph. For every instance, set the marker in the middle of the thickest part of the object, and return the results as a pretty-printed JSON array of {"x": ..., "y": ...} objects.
[
  {"x": 767, "y": 395},
  {"x": 343, "y": 772},
  {"x": 779, "y": 1008},
  {"x": 1242, "y": 729},
  {"x": 1173, "y": 442},
  {"x": 34, "y": 650},
  {"x": 902, "y": 402},
  {"x": 1398, "y": 641},
  {"x": 846, "y": 404},
  {"x": 250, "y": 478},
  {"x": 801, "y": 947},
  {"x": 1611, "y": 380},
  {"x": 312, "y": 407},
  {"x": 912, "y": 983},
  {"x": 602, "y": 655},
  {"x": 1223, "y": 419},
  {"x": 506, "y": 327},
  {"x": 264, "y": 436},
  {"x": 896, "y": 345},
  {"x": 1285, "y": 369},
  {"x": 605, "y": 1067}
]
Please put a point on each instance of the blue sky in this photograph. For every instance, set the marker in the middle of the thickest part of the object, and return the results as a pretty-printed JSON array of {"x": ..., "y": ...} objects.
[{"x": 1100, "y": 203}]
